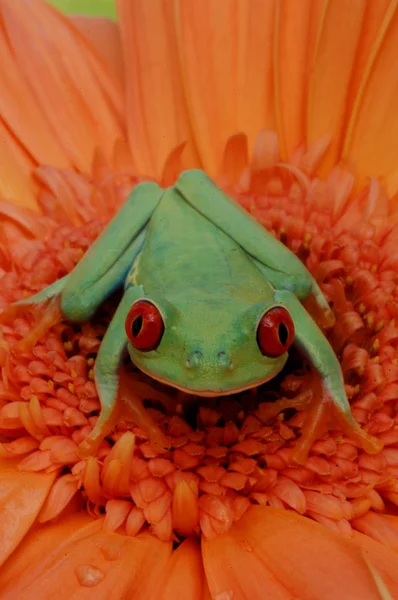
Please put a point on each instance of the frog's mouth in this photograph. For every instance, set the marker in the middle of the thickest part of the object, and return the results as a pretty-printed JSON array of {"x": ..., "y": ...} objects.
[
  {"x": 212, "y": 393},
  {"x": 208, "y": 393}
]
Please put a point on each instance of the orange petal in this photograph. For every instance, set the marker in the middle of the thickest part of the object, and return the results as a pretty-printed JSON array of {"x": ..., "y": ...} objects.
[
  {"x": 334, "y": 55},
  {"x": 292, "y": 28},
  {"x": 224, "y": 46},
  {"x": 102, "y": 48},
  {"x": 235, "y": 159},
  {"x": 269, "y": 545},
  {"x": 375, "y": 19},
  {"x": 185, "y": 577},
  {"x": 372, "y": 135},
  {"x": 25, "y": 119},
  {"x": 380, "y": 557},
  {"x": 116, "y": 513},
  {"x": 59, "y": 497},
  {"x": 104, "y": 36},
  {"x": 255, "y": 95},
  {"x": 21, "y": 498},
  {"x": 157, "y": 117},
  {"x": 185, "y": 509},
  {"x": 92, "y": 480},
  {"x": 379, "y": 527},
  {"x": 234, "y": 571},
  {"x": 15, "y": 183},
  {"x": 39, "y": 542},
  {"x": 60, "y": 80},
  {"x": 87, "y": 560},
  {"x": 24, "y": 218},
  {"x": 135, "y": 521}
]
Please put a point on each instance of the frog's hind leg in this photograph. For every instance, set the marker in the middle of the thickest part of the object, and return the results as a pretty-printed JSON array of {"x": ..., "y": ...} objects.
[
  {"x": 121, "y": 403},
  {"x": 323, "y": 398},
  {"x": 322, "y": 414}
]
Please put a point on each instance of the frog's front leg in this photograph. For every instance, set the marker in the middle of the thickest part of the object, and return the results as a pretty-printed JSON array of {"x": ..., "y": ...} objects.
[
  {"x": 101, "y": 271},
  {"x": 115, "y": 389},
  {"x": 325, "y": 401}
]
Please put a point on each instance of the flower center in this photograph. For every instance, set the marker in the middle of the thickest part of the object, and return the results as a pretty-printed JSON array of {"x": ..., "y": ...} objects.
[{"x": 224, "y": 455}]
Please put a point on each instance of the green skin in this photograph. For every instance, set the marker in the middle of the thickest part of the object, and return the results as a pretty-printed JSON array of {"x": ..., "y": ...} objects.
[
  {"x": 212, "y": 271},
  {"x": 106, "y": 8}
]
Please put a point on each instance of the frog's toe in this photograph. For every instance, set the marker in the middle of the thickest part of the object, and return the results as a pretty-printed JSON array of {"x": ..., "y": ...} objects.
[
  {"x": 324, "y": 414},
  {"x": 46, "y": 315},
  {"x": 89, "y": 447},
  {"x": 367, "y": 442},
  {"x": 105, "y": 424},
  {"x": 10, "y": 313},
  {"x": 135, "y": 411},
  {"x": 16, "y": 311}
]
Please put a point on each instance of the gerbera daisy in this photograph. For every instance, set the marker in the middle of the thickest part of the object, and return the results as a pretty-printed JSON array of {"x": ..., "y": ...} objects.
[{"x": 290, "y": 108}]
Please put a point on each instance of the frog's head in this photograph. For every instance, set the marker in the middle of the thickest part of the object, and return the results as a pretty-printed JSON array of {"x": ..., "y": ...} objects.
[{"x": 207, "y": 349}]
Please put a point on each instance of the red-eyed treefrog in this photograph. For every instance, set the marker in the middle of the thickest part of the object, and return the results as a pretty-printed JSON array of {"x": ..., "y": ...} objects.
[{"x": 211, "y": 304}]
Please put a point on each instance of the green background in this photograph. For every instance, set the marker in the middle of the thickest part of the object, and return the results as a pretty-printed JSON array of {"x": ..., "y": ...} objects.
[{"x": 87, "y": 7}]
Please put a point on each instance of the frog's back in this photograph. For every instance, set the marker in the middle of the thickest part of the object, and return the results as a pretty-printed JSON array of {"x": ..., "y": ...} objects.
[{"x": 185, "y": 252}]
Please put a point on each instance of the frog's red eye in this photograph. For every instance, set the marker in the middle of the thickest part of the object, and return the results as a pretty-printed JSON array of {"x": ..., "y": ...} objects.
[
  {"x": 144, "y": 326},
  {"x": 275, "y": 332}
]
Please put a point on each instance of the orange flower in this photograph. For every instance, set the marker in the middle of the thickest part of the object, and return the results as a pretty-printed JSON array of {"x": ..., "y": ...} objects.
[{"x": 290, "y": 106}]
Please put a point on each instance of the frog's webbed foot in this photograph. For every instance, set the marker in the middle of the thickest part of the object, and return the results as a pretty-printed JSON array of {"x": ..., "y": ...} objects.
[
  {"x": 323, "y": 414},
  {"x": 46, "y": 315},
  {"x": 142, "y": 386},
  {"x": 104, "y": 426},
  {"x": 128, "y": 407},
  {"x": 133, "y": 409}
]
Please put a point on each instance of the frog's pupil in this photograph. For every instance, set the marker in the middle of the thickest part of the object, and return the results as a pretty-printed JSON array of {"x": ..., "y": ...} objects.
[
  {"x": 283, "y": 333},
  {"x": 137, "y": 325}
]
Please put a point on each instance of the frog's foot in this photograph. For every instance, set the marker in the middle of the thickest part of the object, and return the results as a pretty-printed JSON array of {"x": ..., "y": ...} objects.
[
  {"x": 18, "y": 311},
  {"x": 323, "y": 414},
  {"x": 128, "y": 407},
  {"x": 12, "y": 312},
  {"x": 146, "y": 391},
  {"x": 107, "y": 421},
  {"x": 46, "y": 315}
]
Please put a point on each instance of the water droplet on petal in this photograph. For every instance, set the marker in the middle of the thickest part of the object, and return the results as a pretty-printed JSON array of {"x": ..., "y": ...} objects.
[{"x": 89, "y": 576}]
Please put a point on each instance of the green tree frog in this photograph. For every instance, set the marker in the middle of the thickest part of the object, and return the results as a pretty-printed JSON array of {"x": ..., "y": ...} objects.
[{"x": 211, "y": 304}]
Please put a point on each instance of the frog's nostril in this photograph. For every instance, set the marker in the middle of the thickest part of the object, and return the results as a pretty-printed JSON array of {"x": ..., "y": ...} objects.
[
  {"x": 223, "y": 359},
  {"x": 194, "y": 359},
  {"x": 207, "y": 361}
]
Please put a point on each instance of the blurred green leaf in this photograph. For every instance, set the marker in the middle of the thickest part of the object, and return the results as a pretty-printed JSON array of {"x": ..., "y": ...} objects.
[{"x": 104, "y": 8}]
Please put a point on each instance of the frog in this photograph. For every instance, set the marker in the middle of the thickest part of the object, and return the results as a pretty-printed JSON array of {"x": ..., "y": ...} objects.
[{"x": 211, "y": 303}]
